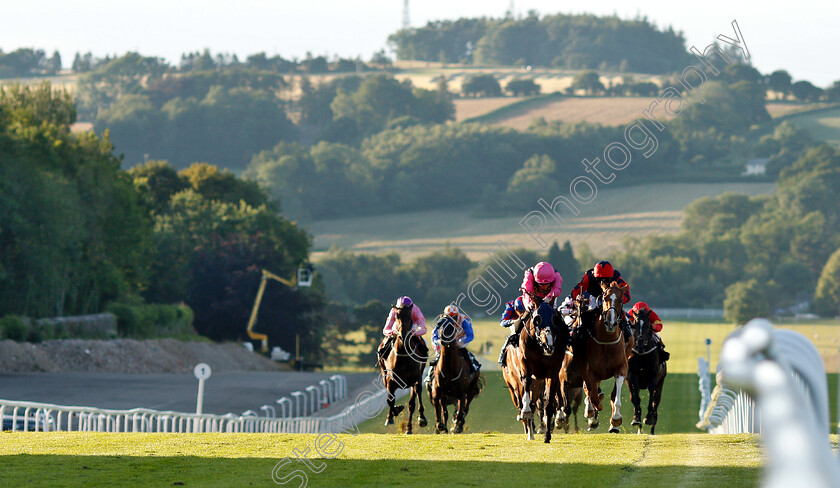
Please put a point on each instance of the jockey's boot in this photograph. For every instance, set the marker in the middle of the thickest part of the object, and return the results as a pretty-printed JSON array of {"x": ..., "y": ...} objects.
[
  {"x": 468, "y": 358},
  {"x": 663, "y": 354},
  {"x": 512, "y": 339},
  {"x": 431, "y": 369}
]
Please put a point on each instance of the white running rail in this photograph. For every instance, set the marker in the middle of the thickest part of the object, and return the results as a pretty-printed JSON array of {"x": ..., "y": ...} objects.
[
  {"x": 781, "y": 373},
  {"x": 30, "y": 416}
]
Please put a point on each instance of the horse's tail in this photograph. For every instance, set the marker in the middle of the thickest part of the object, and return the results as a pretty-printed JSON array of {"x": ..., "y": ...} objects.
[{"x": 478, "y": 385}]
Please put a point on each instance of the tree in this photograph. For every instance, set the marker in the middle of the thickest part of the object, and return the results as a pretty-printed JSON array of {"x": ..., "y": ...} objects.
[
  {"x": 827, "y": 297},
  {"x": 564, "y": 262},
  {"x": 481, "y": 86},
  {"x": 780, "y": 82},
  {"x": 589, "y": 82},
  {"x": 833, "y": 92},
  {"x": 745, "y": 300},
  {"x": 519, "y": 88},
  {"x": 736, "y": 72},
  {"x": 806, "y": 92}
]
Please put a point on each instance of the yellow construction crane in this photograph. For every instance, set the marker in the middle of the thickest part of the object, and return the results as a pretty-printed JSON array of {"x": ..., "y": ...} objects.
[{"x": 304, "y": 277}]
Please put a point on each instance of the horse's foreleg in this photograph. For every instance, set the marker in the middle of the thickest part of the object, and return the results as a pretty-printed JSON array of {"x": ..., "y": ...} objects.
[
  {"x": 616, "y": 419},
  {"x": 562, "y": 419},
  {"x": 409, "y": 429},
  {"x": 550, "y": 406},
  {"x": 460, "y": 414},
  {"x": 393, "y": 410},
  {"x": 592, "y": 403},
  {"x": 421, "y": 419},
  {"x": 636, "y": 400},
  {"x": 653, "y": 404},
  {"x": 526, "y": 412}
]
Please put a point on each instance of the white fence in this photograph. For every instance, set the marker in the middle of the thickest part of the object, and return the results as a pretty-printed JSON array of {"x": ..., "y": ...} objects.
[
  {"x": 28, "y": 416},
  {"x": 774, "y": 382},
  {"x": 689, "y": 313},
  {"x": 313, "y": 398}
]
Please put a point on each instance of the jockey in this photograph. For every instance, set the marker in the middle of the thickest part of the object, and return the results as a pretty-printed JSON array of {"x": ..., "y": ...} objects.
[
  {"x": 590, "y": 287},
  {"x": 641, "y": 309},
  {"x": 418, "y": 326},
  {"x": 463, "y": 336},
  {"x": 540, "y": 282}
]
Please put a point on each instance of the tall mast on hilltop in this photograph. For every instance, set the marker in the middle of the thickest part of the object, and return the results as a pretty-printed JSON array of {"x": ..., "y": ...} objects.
[{"x": 406, "y": 19}]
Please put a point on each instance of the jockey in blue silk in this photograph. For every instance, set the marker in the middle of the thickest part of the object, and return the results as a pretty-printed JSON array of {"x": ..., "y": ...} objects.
[
  {"x": 512, "y": 318},
  {"x": 463, "y": 336}
]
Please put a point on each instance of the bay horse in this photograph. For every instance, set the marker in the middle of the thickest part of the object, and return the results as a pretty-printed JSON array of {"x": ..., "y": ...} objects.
[
  {"x": 451, "y": 382},
  {"x": 647, "y": 372},
  {"x": 537, "y": 356},
  {"x": 571, "y": 394},
  {"x": 604, "y": 353},
  {"x": 403, "y": 368}
]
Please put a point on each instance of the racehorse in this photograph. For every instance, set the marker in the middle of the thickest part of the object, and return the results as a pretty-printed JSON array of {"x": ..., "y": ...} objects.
[
  {"x": 647, "y": 371},
  {"x": 451, "y": 381},
  {"x": 604, "y": 354},
  {"x": 403, "y": 368},
  {"x": 571, "y": 394},
  {"x": 538, "y": 356}
]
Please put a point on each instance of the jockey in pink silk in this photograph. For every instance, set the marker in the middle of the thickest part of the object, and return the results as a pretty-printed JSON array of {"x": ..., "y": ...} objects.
[
  {"x": 418, "y": 326},
  {"x": 540, "y": 281}
]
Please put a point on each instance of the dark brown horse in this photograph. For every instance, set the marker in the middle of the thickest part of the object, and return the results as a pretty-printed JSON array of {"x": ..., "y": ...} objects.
[
  {"x": 571, "y": 394},
  {"x": 604, "y": 353},
  {"x": 403, "y": 368},
  {"x": 538, "y": 356},
  {"x": 647, "y": 372},
  {"x": 451, "y": 381}
]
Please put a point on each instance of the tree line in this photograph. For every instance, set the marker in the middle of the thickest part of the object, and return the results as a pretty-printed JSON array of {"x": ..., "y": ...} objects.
[{"x": 580, "y": 41}]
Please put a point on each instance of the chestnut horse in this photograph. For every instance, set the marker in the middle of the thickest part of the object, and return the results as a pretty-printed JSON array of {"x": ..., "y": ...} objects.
[
  {"x": 603, "y": 353},
  {"x": 538, "y": 356},
  {"x": 647, "y": 372},
  {"x": 451, "y": 381},
  {"x": 403, "y": 368}
]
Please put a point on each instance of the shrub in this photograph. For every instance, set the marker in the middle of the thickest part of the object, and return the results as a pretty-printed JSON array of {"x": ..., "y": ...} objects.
[
  {"x": 147, "y": 320},
  {"x": 14, "y": 328}
]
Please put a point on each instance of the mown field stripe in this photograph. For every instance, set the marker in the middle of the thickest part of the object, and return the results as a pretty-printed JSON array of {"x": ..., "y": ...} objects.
[{"x": 487, "y": 460}]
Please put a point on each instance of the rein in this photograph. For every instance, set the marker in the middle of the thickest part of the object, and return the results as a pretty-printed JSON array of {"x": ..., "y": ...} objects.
[
  {"x": 646, "y": 352},
  {"x": 620, "y": 333}
]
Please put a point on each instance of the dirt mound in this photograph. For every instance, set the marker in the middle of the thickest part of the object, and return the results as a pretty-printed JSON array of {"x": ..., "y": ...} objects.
[{"x": 128, "y": 356}]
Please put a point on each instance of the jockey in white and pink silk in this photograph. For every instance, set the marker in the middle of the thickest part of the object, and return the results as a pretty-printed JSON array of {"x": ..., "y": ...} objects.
[{"x": 418, "y": 321}]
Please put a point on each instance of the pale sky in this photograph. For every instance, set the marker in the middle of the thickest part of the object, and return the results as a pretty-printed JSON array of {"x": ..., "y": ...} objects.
[{"x": 801, "y": 37}]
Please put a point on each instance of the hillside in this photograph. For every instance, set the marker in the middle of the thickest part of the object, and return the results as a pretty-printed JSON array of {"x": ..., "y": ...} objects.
[
  {"x": 824, "y": 125},
  {"x": 616, "y": 213}
]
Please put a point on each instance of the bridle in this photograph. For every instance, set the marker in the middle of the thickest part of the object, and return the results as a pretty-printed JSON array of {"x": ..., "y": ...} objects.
[{"x": 641, "y": 323}]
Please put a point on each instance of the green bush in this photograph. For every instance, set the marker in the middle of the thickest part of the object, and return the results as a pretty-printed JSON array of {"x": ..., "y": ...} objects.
[
  {"x": 13, "y": 327},
  {"x": 142, "y": 321},
  {"x": 746, "y": 300}
]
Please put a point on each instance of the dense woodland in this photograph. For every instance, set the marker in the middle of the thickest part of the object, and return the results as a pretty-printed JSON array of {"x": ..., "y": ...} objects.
[{"x": 560, "y": 41}]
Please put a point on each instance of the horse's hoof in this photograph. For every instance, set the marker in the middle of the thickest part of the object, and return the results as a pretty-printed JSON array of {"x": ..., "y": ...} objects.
[
  {"x": 389, "y": 422},
  {"x": 614, "y": 430},
  {"x": 649, "y": 421},
  {"x": 636, "y": 422},
  {"x": 398, "y": 409},
  {"x": 459, "y": 429},
  {"x": 408, "y": 432},
  {"x": 615, "y": 422},
  {"x": 422, "y": 422}
]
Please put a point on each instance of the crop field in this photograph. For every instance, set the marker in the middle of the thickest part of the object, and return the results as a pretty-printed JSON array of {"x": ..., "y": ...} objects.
[
  {"x": 600, "y": 110},
  {"x": 602, "y": 225},
  {"x": 824, "y": 125}
]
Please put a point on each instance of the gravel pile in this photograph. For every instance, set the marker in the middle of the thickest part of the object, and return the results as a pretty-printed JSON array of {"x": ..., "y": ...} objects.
[{"x": 127, "y": 356}]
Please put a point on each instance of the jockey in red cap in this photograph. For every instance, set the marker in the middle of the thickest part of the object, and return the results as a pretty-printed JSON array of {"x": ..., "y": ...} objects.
[
  {"x": 590, "y": 286},
  {"x": 642, "y": 310}
]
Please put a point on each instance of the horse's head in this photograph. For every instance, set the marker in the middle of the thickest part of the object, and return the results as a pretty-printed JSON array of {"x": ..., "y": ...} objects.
[
  {"x": 403, "y": 322},
  {"x": 447, "y": 331},
  {"x": 612, "y": 302},
  {"x": 542, "y": 329},
  {"x": 642, "y": 331}
]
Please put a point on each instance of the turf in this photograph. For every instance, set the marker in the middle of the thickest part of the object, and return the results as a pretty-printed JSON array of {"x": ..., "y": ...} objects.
[{"x": 487, "y": 460}]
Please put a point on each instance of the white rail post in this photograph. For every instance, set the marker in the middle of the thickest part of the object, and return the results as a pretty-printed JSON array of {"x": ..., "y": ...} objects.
[
  {"x": 327, "y": 390},
  {"x": 202, "y": 371},
  {"x": 285, "y": 407},
  {"x": 315, "y": 397},
  {"x": 271, "y": 409},
  {"x": 297, "y": 395}
]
